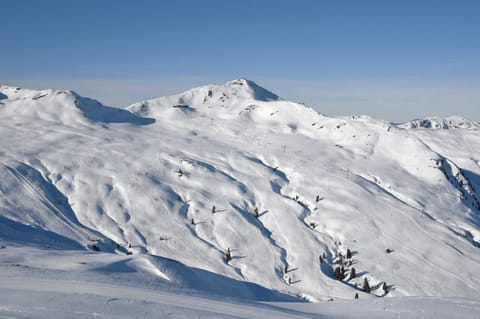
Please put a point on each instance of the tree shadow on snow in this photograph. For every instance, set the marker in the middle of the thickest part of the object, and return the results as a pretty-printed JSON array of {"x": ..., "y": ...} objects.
[
  {"x": 291, "y": 270},
  {"x": 263, "y": 213},
  {"x": 238, "y": 257}
]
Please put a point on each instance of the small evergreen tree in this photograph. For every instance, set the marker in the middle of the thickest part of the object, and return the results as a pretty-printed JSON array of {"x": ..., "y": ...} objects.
[
  {"x": 339, "y": 260},
  {"x": 384, "y": 287},
  {"x": 353, "y": 273},
  {"x": 214, "y": 210},
  {"x": 286, "y": 268},
  {"x": 339, "y": 273},
  {"x": 366, "y": 286},
  {"x": 356, "y": 295},
  {"x": 228, "y": 255},
  {"x": 317, "y": 199},
  {"x": 349, "y": 254},
  {"x": 255, "y": 212}
]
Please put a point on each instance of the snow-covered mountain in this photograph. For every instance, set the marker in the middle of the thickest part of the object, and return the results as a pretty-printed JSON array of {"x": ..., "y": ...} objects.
[
  {"x": 228, "y": 189},
  {"x": 451, "y": 122}
]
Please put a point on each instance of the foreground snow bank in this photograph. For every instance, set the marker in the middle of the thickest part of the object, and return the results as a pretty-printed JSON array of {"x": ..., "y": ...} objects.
[{"x": 34, "y": 298}]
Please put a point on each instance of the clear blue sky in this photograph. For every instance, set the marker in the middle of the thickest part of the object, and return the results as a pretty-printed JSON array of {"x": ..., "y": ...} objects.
[{"x": 389, "y": 59}]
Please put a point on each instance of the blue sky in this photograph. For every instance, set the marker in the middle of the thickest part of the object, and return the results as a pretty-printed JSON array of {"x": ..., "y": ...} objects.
[{"x": 389, "y": 59}]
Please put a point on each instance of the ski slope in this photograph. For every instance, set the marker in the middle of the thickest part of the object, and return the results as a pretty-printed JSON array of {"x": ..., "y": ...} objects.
[{"x": 165, "y": 189}]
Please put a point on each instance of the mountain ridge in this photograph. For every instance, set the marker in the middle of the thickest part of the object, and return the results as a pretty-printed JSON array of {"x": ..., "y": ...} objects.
[
  {"x": 284, "y": 191},
  {"x": 246, "y": 88}
]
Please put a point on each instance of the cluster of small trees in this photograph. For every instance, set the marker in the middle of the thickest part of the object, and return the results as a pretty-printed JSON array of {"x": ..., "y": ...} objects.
[
  {"x": 340, "y": 272},
  {"x": 368, "y": 289},
  {"x": 341, "y": 263},
  {"x": 322, "y": 258}
]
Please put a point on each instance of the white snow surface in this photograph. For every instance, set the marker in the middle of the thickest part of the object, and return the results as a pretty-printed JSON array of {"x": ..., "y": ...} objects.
[{"x": 165, "y": 188}]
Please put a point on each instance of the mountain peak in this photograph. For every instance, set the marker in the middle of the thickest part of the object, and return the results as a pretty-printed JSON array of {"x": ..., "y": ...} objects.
[
  {"x": 257, "y": 92},
  {"x": 230, "y": 95}
]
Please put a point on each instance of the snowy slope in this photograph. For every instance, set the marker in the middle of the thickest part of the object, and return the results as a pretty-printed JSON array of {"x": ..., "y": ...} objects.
[
  {"x": 40, "y": 298},
  {"x": 183, "y": 177}
]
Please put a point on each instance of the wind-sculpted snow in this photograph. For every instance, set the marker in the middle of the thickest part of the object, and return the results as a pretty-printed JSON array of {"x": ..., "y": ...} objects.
[
  {"x": 247, "y": 192},
  {"x": 95, "y": 111}
]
